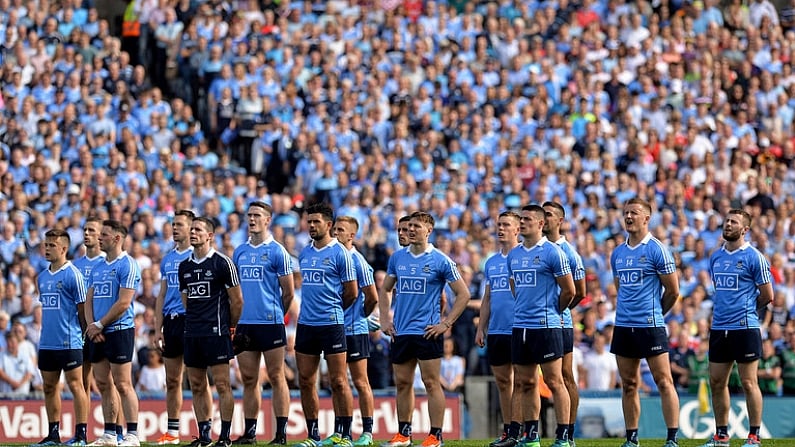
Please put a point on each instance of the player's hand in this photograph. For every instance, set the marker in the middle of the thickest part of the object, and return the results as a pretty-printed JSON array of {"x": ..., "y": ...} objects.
[
  {"x": 387, "y": 327},
  {"x": 435, "y": 330},
  {"x": 480, "y": 338},
  {"x": 160, "y": 342},
  {"x": 92, "y": 331}
]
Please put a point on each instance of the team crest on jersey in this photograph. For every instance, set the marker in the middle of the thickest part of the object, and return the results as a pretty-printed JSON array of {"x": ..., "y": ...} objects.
[
  {"x": 326, "y": 261},
  {"x": 113, "y": 272},
  {"x": 208, "y": 273},
  {"x": 264, "y": 257},
  {"x": 739, "y": 265},
  {"x": 537, "y": 260},
  {"x": 426, "y": 269},
  {"x": 59, "y": 285},
  {"x": 642, "y": 260}
]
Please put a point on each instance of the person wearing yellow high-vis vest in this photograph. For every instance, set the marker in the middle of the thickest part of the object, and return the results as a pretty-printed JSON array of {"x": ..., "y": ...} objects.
[{"x": 131, "y": 32}]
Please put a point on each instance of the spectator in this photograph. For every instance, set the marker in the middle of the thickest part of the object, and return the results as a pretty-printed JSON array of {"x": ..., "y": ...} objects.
[
  {"x": 769, "y": 369},
  {"x": 788, "y": 365},
  {"x": 599, "y": 371},
  {"x": 17, "y": 369},
  {"x": 152, "y": 377}
]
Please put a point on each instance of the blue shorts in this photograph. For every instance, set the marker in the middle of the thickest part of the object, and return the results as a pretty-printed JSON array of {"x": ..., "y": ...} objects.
[
  {"x": 203, "y": 352},
  {"x": 259, "y": 337},
  {"x": 740, "y": 345},
  {"x": 358, "y": 347},
  {"x": 60, "y": 359},
  {"x": 415, "y": 347},
  {"x": 568, "y": 340},
  {"x": 173, "y": 335},
  {"x": 639, "y": 342},
  {"x": 536, "y": 346},
  {"x": 498, "y": 349},
  {"x": 117, "y": 347},
  {"x": 316, "y": 340}
]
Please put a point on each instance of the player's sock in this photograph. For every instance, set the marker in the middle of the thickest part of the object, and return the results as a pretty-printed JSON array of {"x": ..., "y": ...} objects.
[
  {"x": 250, "y": 428},
  {"x": 754, "y": 430},
  {"x": 81, "y": 431},
  {"x": 345, "y": 426},
  {"x": 513, "y": 429},
  {"x": 531, "y": 429},
  {"x": 367, "y": 424},
  {"x": 437, "y": 432},
  {"x": 173, "y": 427},
  {"x": 281, "y": 426},
  {"x": 119, "y": 430},
  {"x": 110, "y": 429},
  {"x": 632, "y": 435},
  {"x": 54, "y": 430},
  {"x": 562, "y": 432},
  {"x": 204, "y": 430},
  {"x": 672, "y": 432},
  {"x": 571, "y": 432},
  {"x": 722, "y": 431},
  {"x": 404, "y": 428},
  {"x": 226, "y": 429},
  {"x": 311, "y": 428},
  {"x": 132, "y": 428}
]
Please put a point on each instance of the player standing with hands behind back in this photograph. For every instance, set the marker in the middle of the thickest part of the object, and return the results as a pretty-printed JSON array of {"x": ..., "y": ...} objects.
[{"x": 743, "y": 285}]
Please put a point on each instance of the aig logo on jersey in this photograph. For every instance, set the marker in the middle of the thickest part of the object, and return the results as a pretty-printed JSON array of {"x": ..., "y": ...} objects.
[
  {"x": 499, "y": 284},
  {"x": 250, "y": 272},
  {"x": 102, "y": 289},
  {"x": 50, "y": 301},
  {"x": 630, "y": 276},
  {"x": 199, "y": 290},
  {"x": 726, "y": 281},
  {"x": 411, "y": 285},
  {"x": 524, "y": 278},
  {"x": 313, "y": 276}
]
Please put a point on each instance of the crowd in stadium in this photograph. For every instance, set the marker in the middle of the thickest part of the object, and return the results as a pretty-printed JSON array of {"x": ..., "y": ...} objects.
[{"x": 461, "y": 109}]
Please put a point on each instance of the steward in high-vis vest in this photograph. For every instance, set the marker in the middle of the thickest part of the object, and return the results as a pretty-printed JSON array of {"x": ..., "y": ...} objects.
[{"x": 131, "y": 31}]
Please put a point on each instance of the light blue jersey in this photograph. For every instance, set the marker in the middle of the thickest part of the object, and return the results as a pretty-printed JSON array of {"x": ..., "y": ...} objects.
[
  {"x": 106, "y": 280},
  {"x": 500, "y": 295},
  {"x": 260, "y": 267},
  {"x": 420, "y": 280},
  {"x": 577, "y": 272},
  {"x": 534, "y": 272},
  {"x": 637, "y": 269},
  {"x": 355, "y": 319},
  {"x": 59, "y": 294},
  {"x": 323, "y": 271},
  {"x": 736, "y": 275},
  {"x": 169, "y": 271},
  {"x": 86, "y": 264}
]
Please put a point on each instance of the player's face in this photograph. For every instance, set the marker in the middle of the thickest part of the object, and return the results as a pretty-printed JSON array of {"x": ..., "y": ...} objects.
[
  {"x": 733, "y": 227},
  {"x": 507, "y": 229},
  {"x": 530, "y": 224},
  {"x": 403, "y": 233},
  {"x": 180, "y": 228},
  {"x": 418, "y": 232},
  {"x": 636, "y": 218},
  {"x": 258, "y": 220},
  {"x": 55, "y": 249},
  {"x": 199, "y": 234},
  {"x": 108, "y": 239},
  {"x": 344, "y": 232},
  {"x": 552, "y": 219},
  {"x": 91, "y": 234},
  {"x": 318, "y": 226}
]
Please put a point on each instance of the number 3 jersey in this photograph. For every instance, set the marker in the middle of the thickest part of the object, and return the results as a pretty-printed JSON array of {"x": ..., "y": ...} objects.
[
  {"x": 737, "y": 275},
  {"x": 204, "y": 282},
  {"x": 59, "y": 294},
  {"x": 419, "y": 281},
  {"x": 637, "y": 270}
]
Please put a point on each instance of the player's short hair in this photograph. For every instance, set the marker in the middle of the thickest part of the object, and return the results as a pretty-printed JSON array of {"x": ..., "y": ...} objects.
[
  {"x": 638, "y": 201},
  {"x": 423, "y": 217},
  {"x": 557, "y": 206},
  {"x": 115, "y": 226},
  {"x": 57, "y": 233},
  {"x": 535, "y": 209},
  {"x": 747, "y": 219},
  {"x": 349, "y": 219},
  {"x": 322, "y": 208},
  {"x": 511, "y": 214},
  {"x": 187, "y": 213},
  {"x": 405, "y": 218},
  {"x": 94, "y": 218},
  {"x": 260, "y": 204},
  {"x": 209, "y": 224}
]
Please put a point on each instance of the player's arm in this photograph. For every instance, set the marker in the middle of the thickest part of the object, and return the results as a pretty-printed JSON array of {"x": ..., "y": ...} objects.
[
  {"x": 159, "y": 303},
  {"x": 287, "y": 283},
  {"x": 88, "y": 312},
  {"x": 81, "y": 316},
  {"x": 567, "y": 291},
  {"x": 579, "y": 293},
  {"x": 485, "y": 314},
  {"x": 385, "y": 303},
  {"x": 765, "y": 296},
  {"x": 119, "y": 307},
  {"x": 235, "y": 304},
  {"x": 350, "y": 290},
  {"x": 670, "y": 282},
  {"x": 184, "y": 300},
  {"x": 370, "y": 298},
  {"x": 462, "y": 296}
]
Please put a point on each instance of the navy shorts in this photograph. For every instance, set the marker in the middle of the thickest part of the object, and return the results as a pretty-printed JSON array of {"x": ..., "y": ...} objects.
[
  {"x": 536, "y": 346},
  {"x": 203, "y": 352},
  {"x": 358, "y": 347},
  {"x": 639, "y": 342},
  {"x": 498, "y": 349},
  {"x": 117, "y": 347},
  {"x": 173, "y": 336},
  {"x": 314, "y": 340},
  {"x": 259, "y": 337},
  {"x": 740, "y": 345},
  {"x": 568, "y": 340},
  {"x": 60, "y": 359},
  {"x": 415, "y": 347}
]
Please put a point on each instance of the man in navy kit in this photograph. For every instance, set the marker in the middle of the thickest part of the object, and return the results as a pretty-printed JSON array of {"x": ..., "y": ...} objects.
[
  {"x": 542, "y": 283},
  {"x": 266, "y": 280},
  {"x": 743, "y": 285},
  {"x": 356, "y": 327},
  {"x": 170, "y": 321},
  {"x": 328, "y": 287},
  {"x": 62, "y": 294},
  {"x": 645, "y": 277},
  {"x": 211, "y": 296},
  {"x": 111, "y": 289},
  {"x": 496, "y": 318},
  {"x": 555, "y": 214},
  {"x": 418, "y": 275}
]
